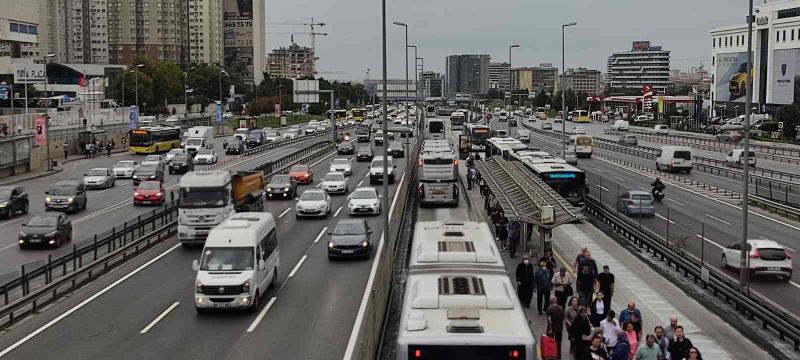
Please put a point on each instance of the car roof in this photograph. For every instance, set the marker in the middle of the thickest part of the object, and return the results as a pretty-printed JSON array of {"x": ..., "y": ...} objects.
[
  {"x": 46, "y": 214},
  {"x": 370, "y": 189},
  {"x": 68, "y": 182},
  {"x": 98, "y": 169},
  {"x": 351, "y": 221},
  {"x": 638, "y": 192},
  {"x": 310, "y": 191},
  {"x": 765, "y": 243}
]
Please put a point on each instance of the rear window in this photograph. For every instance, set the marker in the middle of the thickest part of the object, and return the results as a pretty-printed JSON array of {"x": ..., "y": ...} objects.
[
  {"x": 438, "y": 161},
  {"x": 645, "y": 197},
  {"x": 771, "y": 254},
  {"x": 685, "y": 155}
]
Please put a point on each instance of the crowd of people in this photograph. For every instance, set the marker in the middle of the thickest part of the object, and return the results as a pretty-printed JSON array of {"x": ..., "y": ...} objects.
[{"x": 95, "y": 148}]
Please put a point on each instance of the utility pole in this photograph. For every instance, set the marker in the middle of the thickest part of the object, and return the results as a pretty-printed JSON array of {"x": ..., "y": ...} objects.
[
  {"x": 47, "y": 116},
  {"x": 384, "y": 126},
  {"x": 510, "y": 86},
  {"x": 744, "y": 268},
  {"x": 563, "y": 96}
]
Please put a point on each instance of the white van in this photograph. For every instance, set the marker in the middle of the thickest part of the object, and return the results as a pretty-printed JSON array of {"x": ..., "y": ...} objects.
[
  {"x": 524, "y": 135},
  {"x": 239, "y": 262},
  {"x": 735, "y": 157},
  {"x": 621, "y": 125},
  {"x": 661, "y": 129},
  {"x": 376, "y": 170},
  {"x": 675, "y": 158}
]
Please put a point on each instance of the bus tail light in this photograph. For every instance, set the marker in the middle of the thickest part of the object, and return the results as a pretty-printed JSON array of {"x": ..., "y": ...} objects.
[
  {"x": 513, "y": 354},
  {"x": 455, "y": 162},
  {"x": 418, "y": 354},
  {"x": 455, "y": 191}
]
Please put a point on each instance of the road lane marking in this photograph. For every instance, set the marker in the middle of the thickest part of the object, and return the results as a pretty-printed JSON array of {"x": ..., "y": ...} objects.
[
  {"x": 84, "y": 302},
  {"x": 157, "y": 319},
  {"x": 318, "y": 185},
  {"x": 600, "y": 186},
  {"x": 684, "y": 205},
  {"x": 297, "y": 267},
  {"x": 337, "y": 211},
  {"x": 710, "y": 241},
  {"x": 261, "y": 314},
  {"x": 19, "y": 219},
  {"x": 794, "y": 284},
  {"x": 718, "y": 219},
  {"x": 642, "y": 188},
  {"x": 360, "y": 182},
  {"x": 619, "y": 178},
  {"x": 9, "y": 246},
  {"x": 284, "y": 212},
  {"x": 324, "y": 229},
  {"x": 598, "y": 170},
  {"x": 663, "y": 218}
]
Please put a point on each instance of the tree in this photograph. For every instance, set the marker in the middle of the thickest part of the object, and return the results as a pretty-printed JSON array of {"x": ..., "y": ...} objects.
[
  {"x": 541, "y": 99},
  {"x": 790, "y": 116}
]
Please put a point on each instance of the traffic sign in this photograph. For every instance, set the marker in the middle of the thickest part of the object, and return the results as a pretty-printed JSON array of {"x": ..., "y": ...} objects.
[
  {"x": 219, "y": 113},
  {"x": 5, "y": 92}
]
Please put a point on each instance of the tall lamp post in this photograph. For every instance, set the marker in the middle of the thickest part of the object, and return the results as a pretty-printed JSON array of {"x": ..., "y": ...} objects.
[
  {"x": 384, "y": 106},
  {"x": 416, "y": 83},
  {"x": 221, "y": 72},
  {"x": 186, "y": 92},
  {"x": 136, "y": 72},
  {"x": 46, "y": 106},
  {"x": 124, "y": 75},
  {"x": 510, "y": 86},
  {"x": 744, "y": 268},
  {"x": 563, "y": 97},
  {"x": 406, "y": 49},
  {"x": 280, "y": 103},
  {"x": 422, "y": 69}
]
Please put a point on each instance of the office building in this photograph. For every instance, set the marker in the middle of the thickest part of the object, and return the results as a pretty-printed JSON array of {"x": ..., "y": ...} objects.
[
  {"x": 206, "y": 32},
  {"x": 291, "y": 62},
  {"x": 153, "y": 29},
  {"x": 499, "y": 76},
  {"x": 396, "y": 89},
  {"x": 467, "y": 74},
  {"x": 644, "y": 64},
  {"x": 245, "y": 38},
  {"x": 19, "y": 26},
  {"x": 584, "y": 80},
  {"x": 535, "y": 79},
  {"x": 776, "y": 60},
  {"x": 431, "y": 84}
]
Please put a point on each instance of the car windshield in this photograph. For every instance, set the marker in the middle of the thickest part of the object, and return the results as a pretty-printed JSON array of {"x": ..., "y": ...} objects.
[
  {"x": 152, "y": 158},
  {"x": 179, "y": 158},
  {"x": 346, "y": 144},
  {"x": 771, "y": 254},
  {"x": 349, "y": 229},
  {"x": 364, "y": 150},
  {"x": 205, "y": 152},
  {"x": 272, "y": 133},
  {"x": 202, "y": 199},
  {"x": 124, "y": 164},
  {"x": 377, "y": 163},
  {"x": 149, "y": 185},
  {"x": 97, "y": 172},
  {"x": 395, "y": 145},
  {"x": 334, "y": 177},
  {"x": 42, "y": 221},
  {"x": 280, "y": 180},
  {"x": 241, "y": 131},
  {"x": 364, "y": 194},
  {"x": 227, "y": 259},
  {"x": 5, "y": 194},
  {"x": 61, "y": 190},
  {"x": 341, "y": 162},
  {"x": 148, "y": 170},
  {"x": 299, "y": 168},
  {"x": 312, "y": 196},
  {"x": 644, "y": 197},
  {"x": 194, "y": 142},
  {"x": 176, "y": 151}
]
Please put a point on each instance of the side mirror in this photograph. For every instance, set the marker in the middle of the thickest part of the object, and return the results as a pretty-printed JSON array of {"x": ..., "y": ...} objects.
[
  {"x": 261, "y": 265},
  {"x": 196, "y": 265},
  {"x": 297, "y": 199},
  {"x": 329, "y": 233}
]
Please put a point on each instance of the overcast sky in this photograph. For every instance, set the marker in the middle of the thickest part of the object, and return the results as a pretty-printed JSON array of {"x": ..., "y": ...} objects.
[{"x": 447, "y": 27}]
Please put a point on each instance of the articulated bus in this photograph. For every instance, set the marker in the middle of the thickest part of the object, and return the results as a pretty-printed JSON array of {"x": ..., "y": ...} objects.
[
  {"x": 149, "y": 140},
  {"x": 581, "y": 116},
  {"x": 505, "y": 147},
  {"x": 567, "y": 180},
  {"x": 358, "y": 114},
  {"x": 478, "y": 134}
]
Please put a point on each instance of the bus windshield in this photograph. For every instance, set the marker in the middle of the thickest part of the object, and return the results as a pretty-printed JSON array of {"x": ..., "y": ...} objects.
[
  {"x": 140, "y": 138},
  {"x": 436, "y": 127}
]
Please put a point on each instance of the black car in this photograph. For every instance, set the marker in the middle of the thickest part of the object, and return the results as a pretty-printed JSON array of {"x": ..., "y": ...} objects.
[
  {"x": 512, "y": 123},
  {"x": 66, "y": 195},
  {"x": 345, "y": 147},
  {"x": 364, "y": 154},
  {"x": 256, "y": 138},
  {"x": 13, "y": 199},
  {"x": 350, "y": 238},
  {"x": 148, "y": 172},
  {"x": 396, "y": 149},
  {"x": 181, "y": 164},
  {"x": 49, "y": 229},
  {"x": 281, "y": 187},
  {"x": 234, "y": 147}
]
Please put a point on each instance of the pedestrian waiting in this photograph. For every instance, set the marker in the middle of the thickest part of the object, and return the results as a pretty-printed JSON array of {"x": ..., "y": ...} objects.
[{"x": 524, "y": 274}]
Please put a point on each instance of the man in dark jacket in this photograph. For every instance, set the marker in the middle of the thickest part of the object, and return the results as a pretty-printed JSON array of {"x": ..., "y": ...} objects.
[
  {"x": 525, "y": 281},
  {"x": 585, "y": 285},
  {"x": 587, "y": 260},
  {"x": 542, "y": 279},
  {"x": 679, "y": 346}
]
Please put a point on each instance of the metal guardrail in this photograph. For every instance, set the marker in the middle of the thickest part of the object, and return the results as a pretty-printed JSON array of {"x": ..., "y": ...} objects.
[
  {"x": 784, "y": 210},
  {"x": 764, "y": 172},
  {"x": 753, "y": 306}
]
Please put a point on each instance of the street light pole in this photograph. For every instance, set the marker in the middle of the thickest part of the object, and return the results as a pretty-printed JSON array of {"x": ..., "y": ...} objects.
[
  {"x": 744, "y": 268},
  {"x": 422, "y": 69},
  {"x": 136, "y": 73},
  {"x": 406, "y": 48},
  {"x": 510, "y": 86},
  {"x": 47, "y": 116},
  {"x": 416, "y": 82},
  {"x": 384, "y": 106},
  {"x": 185, "y": 92},
  {"x": 563, "y": 97}
]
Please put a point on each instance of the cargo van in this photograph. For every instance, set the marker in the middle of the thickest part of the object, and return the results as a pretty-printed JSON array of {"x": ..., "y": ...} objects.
[
  {"x": 238, "y": 264},
  {"x": 675, "y": 158},
  {"x": 735, "y": 157},
  {"x": 524, "y": 136},
  {"x": 621, "y": 125}
]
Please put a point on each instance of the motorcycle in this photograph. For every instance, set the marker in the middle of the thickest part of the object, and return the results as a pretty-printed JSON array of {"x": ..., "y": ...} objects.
[{"x": 658, "y": 194}]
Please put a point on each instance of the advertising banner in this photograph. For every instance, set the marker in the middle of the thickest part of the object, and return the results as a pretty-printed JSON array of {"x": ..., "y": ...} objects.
[
  {"x": 218, "y": 117},
  {"x": 40, "y": 137},
  {"x": 731, "y": 77},
  {"x": 786, "y": 76},
  {"x": 5, "y": 92},
  {"x": 133, "y": 117},
  {"x": 28, "y": 73},
  {"x": 239, "y": 36}
]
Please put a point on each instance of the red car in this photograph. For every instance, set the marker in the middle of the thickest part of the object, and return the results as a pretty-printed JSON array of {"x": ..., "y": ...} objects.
[
  {"x": 149, "y": 192},
  {"x": 302, "y": 174}
]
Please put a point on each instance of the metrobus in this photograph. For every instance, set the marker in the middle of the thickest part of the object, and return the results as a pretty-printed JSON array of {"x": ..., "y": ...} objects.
[
  {"x": 567, "y": 180},
  {"x": 340, "y": 114},
  {"x": 580, "y": 116},
  {"x": 430, "y": 111},
  {"x": 478, "y": 134},
  {"x": 149, "y": 140},
  {"x": 438, "y": 176},
  {"x": 434, "y": 130},
  {"x": 459, "y": 301},
  {"x": 505, "y": 147},
  {"x": 358, "y": 114},
  {"x": 457, "y": 120}
]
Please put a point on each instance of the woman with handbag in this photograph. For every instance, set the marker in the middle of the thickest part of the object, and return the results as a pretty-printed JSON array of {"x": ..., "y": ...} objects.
[{"x": 562, "y": 285}]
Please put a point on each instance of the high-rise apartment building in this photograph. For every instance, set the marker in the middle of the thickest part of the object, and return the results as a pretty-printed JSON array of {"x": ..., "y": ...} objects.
[
  {"x": 154, "y": 29},
  {"x": 291, "y": 62},
  {"x": 206, "y": 32},
  {"x": 467, "y": 74},
  {"x": 500, "y": 76},
  {"x": 431, "y": 84},
  {"x": 19, "y": 27},
  {"x": 584, "y": 80},
  {"x": 643, "y": 65},
  {"x": 535, "y": 79},
  {"x": 76, "y": 31},
  {"x": 245, "y": 38}
]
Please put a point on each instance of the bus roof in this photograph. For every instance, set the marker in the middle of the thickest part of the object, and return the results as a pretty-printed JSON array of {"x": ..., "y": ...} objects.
[
  {"x": 545, "y": 167},
  {"x": 454, "y": 245}
]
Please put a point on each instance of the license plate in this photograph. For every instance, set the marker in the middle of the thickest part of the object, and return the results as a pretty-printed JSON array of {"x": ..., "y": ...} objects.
[
  {"x": 773, "y": 269},
  {"x": 362, "y": 209},
  {"x": 347, "y": 251},
  {"x": 145, "y": 202},
  {"x": 36, "y": 240},
  {"x": 222, "y": 305},
  {"x": 440, "y": 191}
]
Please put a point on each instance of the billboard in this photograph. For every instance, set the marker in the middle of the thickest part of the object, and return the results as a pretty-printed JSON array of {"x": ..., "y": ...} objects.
[
  {"x": 786, "y": 76},
  {"x": 28, "y": 73},
  {"x": 731, "y": 77},
  {"x": 238, "y": 19},
  {"x": 40, "y": 135}
]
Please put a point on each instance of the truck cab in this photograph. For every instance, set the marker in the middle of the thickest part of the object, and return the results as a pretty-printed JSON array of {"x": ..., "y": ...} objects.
[{"x": 200, "y": 137}]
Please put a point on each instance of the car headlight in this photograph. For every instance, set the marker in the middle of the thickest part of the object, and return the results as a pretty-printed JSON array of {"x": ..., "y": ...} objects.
[
  {"x": 135, "y": 176},
  {"x": 305, "y": 175},
  {"x": 158, "y": 194},
  {"x": 286, "y": 189},
  {"x": 48, "y": 199},
  {"x": 246, "y": 286},
  {"x": 364, "y": 244},
  {"x": 330, "y": 245},
  {"x": 198, "y": 287},
  {"x": 135, "y": 194},
  {"x": 270, "y": 190},
  {"x": 69, "y": 199},
  {"x": 3, "y": 204}
]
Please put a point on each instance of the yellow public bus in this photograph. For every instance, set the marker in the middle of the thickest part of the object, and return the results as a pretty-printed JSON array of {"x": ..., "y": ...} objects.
[
  {"x": 149, "y": 140},
  {"x": 358, "y": 114},
  {"x": 581, "y": 116}
]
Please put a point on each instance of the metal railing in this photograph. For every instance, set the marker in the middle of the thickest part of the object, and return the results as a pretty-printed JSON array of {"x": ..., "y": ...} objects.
[{"x": 753, "y": 306}]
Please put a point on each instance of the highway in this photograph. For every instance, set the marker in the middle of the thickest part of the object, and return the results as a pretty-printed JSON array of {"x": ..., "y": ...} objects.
[
  {"x": 687, "y": 207},
  {"x": 309, "y": 315}
]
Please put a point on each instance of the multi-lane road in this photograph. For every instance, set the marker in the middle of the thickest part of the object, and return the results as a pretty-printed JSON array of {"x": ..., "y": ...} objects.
[
  {"x": 684, "y": 209},
  {"x": 309, "y": 315}
]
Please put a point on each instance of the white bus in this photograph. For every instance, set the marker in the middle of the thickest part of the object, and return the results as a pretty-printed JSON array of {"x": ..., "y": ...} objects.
[
  {"x": 435, "y": 129},
  {"x": 430, "y": 111},
  {"x": 503, "y": 146},
  {"x": 583, "y": 145},
  {"x": 438, "y": 177},
  {"x": 478, "y": 134},
  {"x": 457, "y": 120},
  {"x": 459, "y": 302}
]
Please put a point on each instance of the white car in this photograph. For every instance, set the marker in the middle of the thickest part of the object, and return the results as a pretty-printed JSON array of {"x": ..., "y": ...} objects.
[
  {"x": 364, "y": 201},
  {"x": 153, "y": 160},
  {"x": 273, "y": 136},
  {"x": 98, "y": 178},
  {"x": 580, "y": 130},
  {"x": 342, "y": 165},
  {"x": 125, "y": 168},
  {"x": 241, "y": 134},
  {"x": 310, "y": 129},
  {"x": 351, "y": 122},
  {"x": 547, "y": 126},
  {"x": 205, "y": 156},
  {"x": 313, "y": 202},
  {"x": 643, "y": 118},
  {"x": 661, "y": 129},
  {"x": 290, "y": 134},
  {"x": 335, "y": 182},
  {"x": 171, "y": 154},
  {"x": 767, "y": 257}
]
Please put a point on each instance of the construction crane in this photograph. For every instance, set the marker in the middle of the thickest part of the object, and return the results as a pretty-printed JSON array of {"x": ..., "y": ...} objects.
[{"x": 309, "y": 29}]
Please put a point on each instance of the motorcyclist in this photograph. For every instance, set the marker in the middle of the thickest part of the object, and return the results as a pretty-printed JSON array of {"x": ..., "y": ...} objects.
[{"x": 658, "y": 186}]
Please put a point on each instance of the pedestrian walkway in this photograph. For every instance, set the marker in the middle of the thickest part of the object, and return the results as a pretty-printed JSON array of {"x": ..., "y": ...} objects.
[{"x": 656, "y": 298}]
